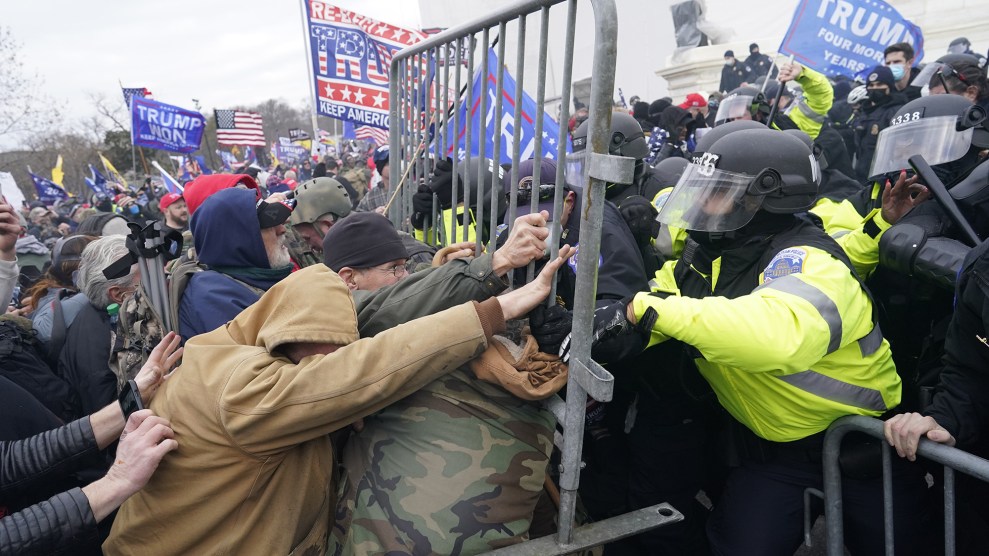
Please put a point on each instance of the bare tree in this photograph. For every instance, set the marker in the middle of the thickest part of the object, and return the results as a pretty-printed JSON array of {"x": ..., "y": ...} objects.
[{"x": 23, "y": 108}]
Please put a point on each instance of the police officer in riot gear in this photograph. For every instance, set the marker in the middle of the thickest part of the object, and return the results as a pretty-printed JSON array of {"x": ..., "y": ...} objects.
[
  {"x": 752, "y": 279},
  {"x": 441, "y": 184},
  {"x": 627, "y": 139}
]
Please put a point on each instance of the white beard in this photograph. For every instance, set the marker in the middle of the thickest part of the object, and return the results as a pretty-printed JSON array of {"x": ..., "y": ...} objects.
[{"x": 279, "y": 256}]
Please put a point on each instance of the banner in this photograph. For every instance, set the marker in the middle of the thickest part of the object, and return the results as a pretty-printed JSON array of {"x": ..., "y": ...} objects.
[
  {"x": 48, "y": 191},
  {"x": 171, "y": 183},
  {"x": 9, "y": 190},
  {"x": 485, "y": 82},
  {"x": 350, "y": 55},
  {"x": 58, "y": 176},
  {"x": 290, "y": 153},
  {"x": 296, "y": 134},
  {"x": 162, "y": 126},
  {"x": 847, "y": 37},
  {"x": 115, "y": 176},
  {"x": 97, "y": 182}
]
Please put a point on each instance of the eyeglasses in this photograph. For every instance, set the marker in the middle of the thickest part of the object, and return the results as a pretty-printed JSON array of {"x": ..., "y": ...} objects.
[
  {"x": 397, "y": 270},
  {"x": 947, "y": 71}
]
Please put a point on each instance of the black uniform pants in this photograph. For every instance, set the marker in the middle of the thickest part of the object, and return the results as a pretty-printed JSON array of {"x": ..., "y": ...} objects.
[{"x": 761, "y": 510}]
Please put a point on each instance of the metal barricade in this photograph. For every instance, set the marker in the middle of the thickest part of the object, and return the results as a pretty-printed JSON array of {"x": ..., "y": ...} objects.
[
  {"x": 952, "y": 459},
  {"x": 425, "y": 117}
]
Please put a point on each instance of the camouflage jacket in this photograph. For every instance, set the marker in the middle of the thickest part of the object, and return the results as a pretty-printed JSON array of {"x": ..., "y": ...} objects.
[{"x": 455, "y": 468}]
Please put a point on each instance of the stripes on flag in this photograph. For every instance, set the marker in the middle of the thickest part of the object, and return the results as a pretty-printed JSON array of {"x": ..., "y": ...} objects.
[
  {"x": 130, "y": 92},
  {"x": 234, "y": 127},
  {"x": 370, "y": 133}
]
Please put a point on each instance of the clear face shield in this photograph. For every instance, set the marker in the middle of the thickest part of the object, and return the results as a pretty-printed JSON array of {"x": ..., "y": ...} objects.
[
  {"x": 734, "y": 107},
  {"x": 924, "y": 75},
  {"x": 936, "y": 139},
  {"x": 710, "y": 200},
  {"x": 576, "y": 171}
]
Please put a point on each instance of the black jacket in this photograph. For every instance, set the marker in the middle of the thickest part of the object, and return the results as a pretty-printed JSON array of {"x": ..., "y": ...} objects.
[
  {"x": 961, "y": 401},
  {"x": 85, "y": 361},
  {"x": 867, "y": 126},
  {"x": 733, "y": 76},
  {"x": 48, "y": 526}
]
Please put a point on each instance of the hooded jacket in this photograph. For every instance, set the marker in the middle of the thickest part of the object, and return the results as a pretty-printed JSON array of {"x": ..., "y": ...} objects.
[
  {"x": 253, "y": 471},
  {"x": 228, "y": 241}
]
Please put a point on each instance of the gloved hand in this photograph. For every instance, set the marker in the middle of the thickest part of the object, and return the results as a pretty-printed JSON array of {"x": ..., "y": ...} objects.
[
  {"x": 441, "y": 182},
  {"x": 611, "y": 321},
  {"x": 640, "y": 216},
  {"x": 422, "y": 207},
  {"x": 550, "y": 326}
]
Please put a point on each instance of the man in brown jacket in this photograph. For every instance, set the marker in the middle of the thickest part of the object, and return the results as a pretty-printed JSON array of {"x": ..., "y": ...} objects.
[{"x": 255, "y": 401}]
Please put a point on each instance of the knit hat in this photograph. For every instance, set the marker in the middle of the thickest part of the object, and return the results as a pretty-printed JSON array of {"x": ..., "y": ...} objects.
[
  {"x": 729, "y": 53},
  {"x": 881, "y": 74},
  {"x": 694, "y": 100},
  {"x": 753, "y": 47},
  {"x": 167, "y": 200},
  {"x": 202, "y": 187},
  {"x": 362, "y": 240}
]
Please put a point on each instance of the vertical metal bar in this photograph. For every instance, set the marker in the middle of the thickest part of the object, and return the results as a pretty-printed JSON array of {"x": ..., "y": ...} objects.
[
  {"x": 833, "y": 504},
  {"x": 498, "y": 192},
  {"x": 452, "y": 238},
  {"x": 464, "y": 221},
  {"x": 537, "y": 139},
  {"x": 591, "y": 215},
  {"x": 438, "y": 229},
  {"x": 478, "y": 216},
  {"x": 395, "y": 125},
  {"x": 439, "y": 123},
  {"x": 561, "y": 140},
  {"x": 888, "y": 501},
  {"x": 516, "y": 118},
  {"x": 949, "y": 511}
]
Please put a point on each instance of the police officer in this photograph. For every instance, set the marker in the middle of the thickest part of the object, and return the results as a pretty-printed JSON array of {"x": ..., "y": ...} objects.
[
  {"x": 734, "y": 73},
  {"x": 769, "y": 309},
  {"x": 758, "y": 62},
  {"x": 627, "y": 139},
  {"x": 320, "y": 203},
  {"x": 876, "y": 112},
  {"x": 459, "y": 221}
]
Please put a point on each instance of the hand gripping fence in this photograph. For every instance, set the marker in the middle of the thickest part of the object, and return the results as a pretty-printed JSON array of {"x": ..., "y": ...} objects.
[{"x": 430, "y": 82}]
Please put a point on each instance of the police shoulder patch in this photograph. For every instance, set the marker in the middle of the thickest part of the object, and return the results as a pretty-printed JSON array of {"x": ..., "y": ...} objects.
[
  {"x": 786, "y": 262},
  {"x": 661, "y": 198}
]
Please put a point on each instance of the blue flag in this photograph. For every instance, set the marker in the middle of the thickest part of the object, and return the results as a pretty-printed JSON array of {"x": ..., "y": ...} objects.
[
  {"x": 202, "y": 164},
  {"x": 48, "y": 191},
  {"x": 97, "y": 182},
  {"x": 229, "y": 160},
  {"x": 847, "y": 37},
  {"x": 162, "y": 126},
  {"x": 170, "y": 183},
  {"x": 484, "y": 82},
  {"x": 351, "y": 56}
]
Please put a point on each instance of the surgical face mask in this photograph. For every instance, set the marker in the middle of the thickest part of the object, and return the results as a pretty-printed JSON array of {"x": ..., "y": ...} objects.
[
  {"x": 729, "y": 61},
  {"x": 898, "y": 71}
]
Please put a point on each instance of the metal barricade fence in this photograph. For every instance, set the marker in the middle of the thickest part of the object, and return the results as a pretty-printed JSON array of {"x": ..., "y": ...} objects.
[
  {"x": 429, "y": 82},
  {"x": 951, "y": 458}
]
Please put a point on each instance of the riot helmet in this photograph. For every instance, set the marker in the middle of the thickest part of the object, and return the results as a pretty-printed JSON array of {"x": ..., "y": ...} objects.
[
  {"x": 711, "y": 136},
  {"x": 822, "y": 161},
  {"x": 947, "y": 130},
  {"x": 741, "y": 103},
  {"x": 669, "y": 170},
  {"x": 627, "y": 139},
  {"x": 319, "y": 197},
  {"x": 740, "y": 175}
]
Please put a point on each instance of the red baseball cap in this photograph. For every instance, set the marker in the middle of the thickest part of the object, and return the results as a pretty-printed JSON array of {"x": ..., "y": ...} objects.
[
  {"x": 694, "y": 100},
  {"x": 167, "y": 200}
]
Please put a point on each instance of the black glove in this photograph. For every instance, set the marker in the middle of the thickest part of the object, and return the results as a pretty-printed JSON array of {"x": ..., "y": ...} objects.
[
  {"x": 640, "y": 216},
  {"x": 441, "y": 182},
  {"x": 611, "y": 321},
  {"x": 422, "y": 207},
  {"x": 550, "y": 326}
]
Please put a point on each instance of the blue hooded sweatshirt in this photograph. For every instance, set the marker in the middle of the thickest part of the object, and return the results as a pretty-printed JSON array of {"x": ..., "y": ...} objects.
[{"x": 228, "y": 241}]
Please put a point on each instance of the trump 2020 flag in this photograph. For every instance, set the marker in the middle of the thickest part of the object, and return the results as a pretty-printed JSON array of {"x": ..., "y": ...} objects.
[
  {"x": 48, "y": 191},
  {"x": 484, "y": 83},
  {"x": 162, "y": 126},
  {"x": 847, "y": 37},
  {"x": 350, "y": 56}
]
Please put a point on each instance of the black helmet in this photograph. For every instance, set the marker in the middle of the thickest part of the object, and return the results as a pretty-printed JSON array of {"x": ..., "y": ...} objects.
[
  {"x": 818, "y": 151},
  {"x": 925, "y": 74},
  {"x": 738, "y": 102},
  {"x": 627, "y": 138},
  {"x": 711, "y": 135},
  {"x": 947, "y": 130},
  {"x": 741, "y": 174},
  {"x": 490, "y": 182},
  {"x": 669, "y": 170}
]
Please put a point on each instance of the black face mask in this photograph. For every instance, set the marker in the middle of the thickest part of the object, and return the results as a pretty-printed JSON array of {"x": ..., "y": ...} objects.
[
  {"x": 105, "y": 205},
  {"x": 878, "y": 96}
]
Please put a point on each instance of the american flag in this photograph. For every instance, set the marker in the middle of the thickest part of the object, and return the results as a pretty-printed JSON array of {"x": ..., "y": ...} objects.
[
  {"x": 376, "y": 134},
  {"x": 134, "y": 91},
  {"x": 239, "y": 128}
]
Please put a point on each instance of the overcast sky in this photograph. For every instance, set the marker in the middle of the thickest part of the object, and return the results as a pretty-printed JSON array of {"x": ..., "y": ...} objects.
[{"x": 222, "y": 53}]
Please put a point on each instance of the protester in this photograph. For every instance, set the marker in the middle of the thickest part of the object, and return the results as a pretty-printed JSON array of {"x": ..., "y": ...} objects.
[
  {"x": 242, "y": 245},
  {"x": 259, "y": 397},
  {"x": 173, "y": 206},
  {"x": 899, "y": 58},
  {"x": 56, "y": 285},
  {"x": 378, "y": 196},
  {"x": 320, "y": 203}
]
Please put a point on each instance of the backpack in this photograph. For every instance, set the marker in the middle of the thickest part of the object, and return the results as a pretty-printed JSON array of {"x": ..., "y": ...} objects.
[
  {"x": 23, "y": 361},
  {"x": 358, "y": 180}
]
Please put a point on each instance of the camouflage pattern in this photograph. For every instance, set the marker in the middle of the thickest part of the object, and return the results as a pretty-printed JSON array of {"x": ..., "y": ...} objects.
[
  {"x": 299, "y": 249},
  {"x": 456, "y": 468},
  {"x": 138, "y": 331}
]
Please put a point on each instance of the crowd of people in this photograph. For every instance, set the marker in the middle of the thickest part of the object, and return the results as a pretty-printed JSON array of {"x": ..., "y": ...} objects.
[{"x": 336, "y": 385}]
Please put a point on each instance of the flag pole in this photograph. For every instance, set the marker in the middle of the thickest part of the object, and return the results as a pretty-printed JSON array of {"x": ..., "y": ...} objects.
[
  {"x": 133, "y": 157},
  {"x": 309, "y": 70}
]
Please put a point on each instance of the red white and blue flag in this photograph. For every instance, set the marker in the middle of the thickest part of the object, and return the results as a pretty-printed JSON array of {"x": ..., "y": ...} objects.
[{"x": 351, "y": 54}]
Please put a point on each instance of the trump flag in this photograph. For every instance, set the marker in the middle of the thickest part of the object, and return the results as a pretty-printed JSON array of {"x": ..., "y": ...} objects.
[{"x": 350, "y": 55}]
